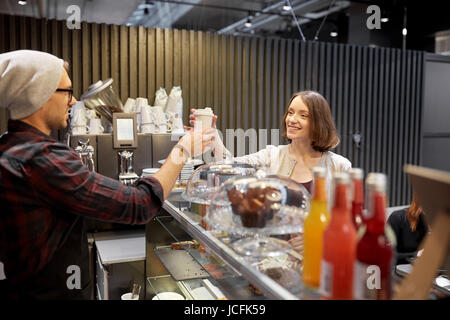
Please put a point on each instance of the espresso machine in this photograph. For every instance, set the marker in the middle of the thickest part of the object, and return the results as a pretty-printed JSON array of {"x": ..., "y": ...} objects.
[
  {"x": 112, "y": 157},
  {"x": 118, "y": 155},
  {"x": 123, "y": 153}
]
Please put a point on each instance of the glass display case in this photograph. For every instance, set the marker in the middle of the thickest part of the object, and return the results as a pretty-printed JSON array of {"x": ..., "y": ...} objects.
[
  {"x": 255, "y": 208},
  {"x": 207, "y": 179},
  {"x": 188, "y": 256}
]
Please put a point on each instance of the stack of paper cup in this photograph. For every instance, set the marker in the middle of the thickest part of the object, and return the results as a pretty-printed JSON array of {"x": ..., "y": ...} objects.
[
  {"x": 159, "y": 119},
  {"x": 177, "y": 125},
  {"x": 95, "y": 126},
  {"x": 78, "y": 118},
  {"x": 147, "y": 125},
  {"x": 140, "y": 103},
  {"x": 129, "y": 106}
]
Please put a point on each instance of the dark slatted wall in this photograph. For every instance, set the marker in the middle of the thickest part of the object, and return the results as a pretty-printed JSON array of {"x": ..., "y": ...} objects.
[{"x": 373, "y": 92}]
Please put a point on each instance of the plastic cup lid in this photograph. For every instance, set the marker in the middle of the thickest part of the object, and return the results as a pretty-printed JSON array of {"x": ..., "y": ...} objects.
[{"x": 204, "y": 112}]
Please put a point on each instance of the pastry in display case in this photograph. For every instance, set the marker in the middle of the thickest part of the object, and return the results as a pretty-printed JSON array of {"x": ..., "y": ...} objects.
[
  {"x": 206, "y": 180},
  {"x": 183, "y": 257},
  {"x": 238, "y": 253},
  {"x": 256, "y": 209},
  {"x": 282, "y": 270}
]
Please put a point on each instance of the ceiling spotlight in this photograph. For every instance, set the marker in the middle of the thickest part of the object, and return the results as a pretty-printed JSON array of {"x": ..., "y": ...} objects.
[
  {"x": 384, "y": 19},
  {"x": 287, "y": 6},
  {"x": 333, "y": 34},
  {"x": 248, "y": 24},
  {"x": 22, "y": 2},
  {"x": 404, "y": 32}
]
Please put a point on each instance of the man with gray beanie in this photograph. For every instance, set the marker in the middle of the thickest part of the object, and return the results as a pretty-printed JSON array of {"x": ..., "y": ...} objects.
[{"x": 46, "y": 192}]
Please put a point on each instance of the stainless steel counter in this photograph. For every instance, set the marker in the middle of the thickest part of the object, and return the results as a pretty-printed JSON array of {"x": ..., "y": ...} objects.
[{"x": 239, "y": 271}]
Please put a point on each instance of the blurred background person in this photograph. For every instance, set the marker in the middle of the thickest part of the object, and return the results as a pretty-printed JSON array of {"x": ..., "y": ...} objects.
[{"x": 410, "y": 229}]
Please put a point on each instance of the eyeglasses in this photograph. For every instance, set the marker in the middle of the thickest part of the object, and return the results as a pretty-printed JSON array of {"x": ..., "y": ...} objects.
[{"x": 70, "y": 91}]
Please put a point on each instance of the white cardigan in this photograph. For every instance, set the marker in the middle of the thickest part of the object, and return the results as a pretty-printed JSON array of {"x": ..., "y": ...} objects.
[{"x": 278, "y": 160}]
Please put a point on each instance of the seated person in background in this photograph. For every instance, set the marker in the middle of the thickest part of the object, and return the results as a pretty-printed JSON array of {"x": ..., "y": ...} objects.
[{"x": 410, "y": 228}]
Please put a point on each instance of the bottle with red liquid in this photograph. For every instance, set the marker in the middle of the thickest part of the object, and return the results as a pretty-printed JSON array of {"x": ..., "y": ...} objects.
[
  {"x": 357, "y": 196},
  {"x": 374, "y": 252},
  {"x": 339, "y": 245}
]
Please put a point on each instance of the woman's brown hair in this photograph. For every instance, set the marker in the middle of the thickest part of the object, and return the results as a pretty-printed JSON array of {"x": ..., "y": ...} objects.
[
  {"x": 323, "y": 132},
  {"x": 414, "y": 212}
]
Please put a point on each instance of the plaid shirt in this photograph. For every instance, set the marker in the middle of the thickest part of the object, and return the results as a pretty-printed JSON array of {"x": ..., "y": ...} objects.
[{"x": 45, "y": 188}]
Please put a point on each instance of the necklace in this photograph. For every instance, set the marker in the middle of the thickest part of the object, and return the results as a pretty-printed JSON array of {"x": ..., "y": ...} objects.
[{"x": 305, "y": 164}]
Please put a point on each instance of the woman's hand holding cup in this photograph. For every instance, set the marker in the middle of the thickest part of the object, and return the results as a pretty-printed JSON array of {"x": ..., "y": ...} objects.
[
  {"x": 219, "y": 149},
  {"x": 197, "y": 142}
]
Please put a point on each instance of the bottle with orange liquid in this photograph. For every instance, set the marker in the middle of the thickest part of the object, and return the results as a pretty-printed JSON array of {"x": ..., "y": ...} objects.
[
  {"x": 374, "y": 252},
  {"x": 314, "y": 224},
  {"x": 339, "y": 245},
  {"x": 357, "y": 196}
]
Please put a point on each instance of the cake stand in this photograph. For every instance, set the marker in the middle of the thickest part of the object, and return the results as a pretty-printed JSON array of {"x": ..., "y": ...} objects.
[
  {"x": 257, "y": 242},
  {"x": 254, "y": 209}
]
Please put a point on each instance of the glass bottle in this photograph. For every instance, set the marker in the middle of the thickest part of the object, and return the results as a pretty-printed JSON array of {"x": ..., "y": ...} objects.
[
  {"x": 374, "y": 252},
  {"x": 339, "y": 245},
  {"x": 315, "y": 223},
  {"x": 357, "y": 196}
]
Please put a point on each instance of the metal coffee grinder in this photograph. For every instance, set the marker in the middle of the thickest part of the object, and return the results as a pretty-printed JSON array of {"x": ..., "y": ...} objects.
[
  {"x": 125, "y": 141},
  {"x": 86, "y": 153},
  {"x": 127, "y": 175}
]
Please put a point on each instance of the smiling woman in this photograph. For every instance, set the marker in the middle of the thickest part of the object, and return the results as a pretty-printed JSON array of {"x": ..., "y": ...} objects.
[
  {"x": 310, "y": 129},
  {"x": 311, "y": 132},
  {"x": 313, "y": 110}
]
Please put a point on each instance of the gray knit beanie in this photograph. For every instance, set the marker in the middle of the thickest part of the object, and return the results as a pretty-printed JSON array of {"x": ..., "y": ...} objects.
[{"x": 27, "y": 80}]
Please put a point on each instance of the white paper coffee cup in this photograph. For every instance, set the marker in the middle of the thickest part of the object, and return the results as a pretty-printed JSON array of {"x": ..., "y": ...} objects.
[
  {"x": 203, "y": 118},
  {"x": 95, "y": 126},
  {"x": 79, "y": 130}
]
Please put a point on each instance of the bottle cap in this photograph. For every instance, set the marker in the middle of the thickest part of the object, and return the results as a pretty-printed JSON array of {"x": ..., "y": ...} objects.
[
  {"x": 341, "y": 178},
  {"x": 376, "y": 181},
  {"x": 318, "y": 172},
  {"x": 356, "y": 173}
]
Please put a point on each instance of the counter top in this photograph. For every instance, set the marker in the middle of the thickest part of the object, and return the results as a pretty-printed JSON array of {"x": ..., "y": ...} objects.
[{"x": 120, "y": 246}]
